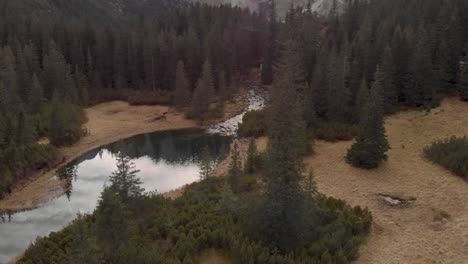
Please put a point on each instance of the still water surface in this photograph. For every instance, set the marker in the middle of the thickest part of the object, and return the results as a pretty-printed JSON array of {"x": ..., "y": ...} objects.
[{"x": 166, "y": 160}]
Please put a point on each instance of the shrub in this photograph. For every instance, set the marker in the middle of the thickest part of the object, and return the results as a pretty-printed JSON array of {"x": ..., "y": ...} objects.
[
  {"x": 177, "y": 230},
  {"x": 253, "y": 124},
  {"x": 333, "y": 131},
  {"x": 158, "y": 97},
  {"x": 65, "y": 124},
  {"x": 451, "y": 153}
]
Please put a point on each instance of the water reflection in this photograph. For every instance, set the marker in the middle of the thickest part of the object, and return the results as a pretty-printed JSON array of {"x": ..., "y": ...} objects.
[{"x": 166, "y": 161}]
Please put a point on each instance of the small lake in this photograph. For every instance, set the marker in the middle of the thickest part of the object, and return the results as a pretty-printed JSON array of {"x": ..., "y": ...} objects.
[{"x": 166, "y": 160}]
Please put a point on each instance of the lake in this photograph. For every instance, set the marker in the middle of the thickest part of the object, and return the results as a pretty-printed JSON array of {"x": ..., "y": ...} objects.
[{"x": 166, "y": 160}]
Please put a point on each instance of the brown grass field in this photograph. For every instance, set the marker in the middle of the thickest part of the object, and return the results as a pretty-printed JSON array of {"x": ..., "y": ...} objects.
[{"x": 434, "y": 228}]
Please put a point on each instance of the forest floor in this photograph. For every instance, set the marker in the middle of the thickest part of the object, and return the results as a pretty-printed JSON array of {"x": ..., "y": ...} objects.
[
  {"x": 107, "y": 122},
  {"x": 434, "y": 227}
]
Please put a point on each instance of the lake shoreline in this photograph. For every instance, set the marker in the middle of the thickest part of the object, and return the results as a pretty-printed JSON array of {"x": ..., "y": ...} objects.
[{"x": 107, "y": 123}]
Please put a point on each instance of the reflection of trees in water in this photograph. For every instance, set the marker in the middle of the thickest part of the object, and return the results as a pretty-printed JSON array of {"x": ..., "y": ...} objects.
[
  {"x": 173, "y": 147},
  {"x": 68, "y": 175},
  {"x": 5, "y": 217}
]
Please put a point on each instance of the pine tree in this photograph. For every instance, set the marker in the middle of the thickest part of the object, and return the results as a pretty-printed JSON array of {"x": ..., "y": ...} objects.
[
  {"x": 361, "y": 100},
  {"x": 371, "y": 145},
  {"x": 463, "y": 82},
  {"x": 83, "y": 248},
  {"x": 421, "y": 91},
  {"x": 199, "y": 105},
  {"x": 82, "y": 86},
  {"x": 8, "y": 76},
  {"x": 251, "y": 161},
  {"x": 182, "y": 88},
  {"x": 36, "y": 95},
  {"x": 339, "y": 94},
  {"x": 386, "y": 76},
  {"x": 208, "y": 81},
  {"x": 235, "y": 169},
  {"x": 114, "y": 228},
  {"x": 206, "y": 163},
  {"x": 269, "y": 49},
  {"x": 125, "y": 180},
  {"x": 283, "y": 214}
]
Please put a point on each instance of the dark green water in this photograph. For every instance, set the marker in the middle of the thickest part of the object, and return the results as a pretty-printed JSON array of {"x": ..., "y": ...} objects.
[{"x": 166, "y": 160}]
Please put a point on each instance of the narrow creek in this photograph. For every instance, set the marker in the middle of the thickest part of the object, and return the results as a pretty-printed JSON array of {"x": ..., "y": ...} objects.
[{"x": 166, "y": 160}]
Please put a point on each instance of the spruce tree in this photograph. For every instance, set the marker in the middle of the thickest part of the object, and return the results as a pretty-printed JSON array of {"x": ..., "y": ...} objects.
[
  {"x": 9, "y": 77},
  {"x": 235, "y": 168},
  {"x": 114, "y": 228},
  {"x": 36, "y": 95},
  {"x": 206, "y": 163},
  {"x": 208, "y": 82},
  {"x": 463, "y": 81},
  {"x": 386, "y": 76},
  {"x": 422, "y": 87},
  {"x": 182, "y": 88},
  {"x": 269, "y": 49},
  {"x": 371, "y": 145},
  {"x": 361, "y": 100},
  {"x": 199, "y": 104},
  {"x": 283, "y": 213},
  {"x": 250, "y": 163},
  {"x": 125, "y": 180}
]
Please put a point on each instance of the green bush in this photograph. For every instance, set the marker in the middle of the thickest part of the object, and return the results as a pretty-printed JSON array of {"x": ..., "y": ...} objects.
[
  {"x": 176, "y": 231},
  {"x": 333, "y": 131},
  {"x": 253, "y": 124},
  {"x": 65, "y": 124},
  {"x": 451, "y": 153},
  {"x": 158, "y": 97}
]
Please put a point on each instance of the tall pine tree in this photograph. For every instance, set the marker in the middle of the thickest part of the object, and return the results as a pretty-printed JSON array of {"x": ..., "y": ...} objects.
[
  {"x": 371, "y": 145},
  {"x": 282, "y": 214}
]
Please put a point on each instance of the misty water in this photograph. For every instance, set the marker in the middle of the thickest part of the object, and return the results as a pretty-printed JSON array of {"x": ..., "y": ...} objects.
[{"x": 166, "y": 160}]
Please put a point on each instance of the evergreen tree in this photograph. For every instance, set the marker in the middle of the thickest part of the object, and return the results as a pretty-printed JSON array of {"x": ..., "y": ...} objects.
[
  {"x": 182, "y": 88},
  {"x": 371, "y": 145},
  {"x": 208, "y": 82},
  {"x": 421, "y": 91},
  {"x": 283, "y": 213},
  {"x": 125, "y": 180},
  {"x": 83, "y": 247},
  {"x": 36, "y": 95},
  {"x": 361, "y": 100},
  {"x": 339, "y": 94},
  {"x": 114, "y": 228},
  {"x": 57, "y": 77},
  {"x": 8, "y": 76},
  {"x": 463, "y": 82},
  {"x": 235, "y": 168},
  {"x": 206, "y": 163},
  {"x": 270, "y": 45},
  {"x": 199, "y": 104},
  {"x": 251, "y": 161},
  {"x": 386, "y": 77}
]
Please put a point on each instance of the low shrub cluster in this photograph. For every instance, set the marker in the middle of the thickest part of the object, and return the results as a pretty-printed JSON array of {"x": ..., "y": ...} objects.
[
  {"x": 208, "y": 215},
  {"x": 451, "y": 153},
  {"x": 158, "y": 97},
  {"x": 333, "y": 131},
  {"x": 253, "y": 124}
]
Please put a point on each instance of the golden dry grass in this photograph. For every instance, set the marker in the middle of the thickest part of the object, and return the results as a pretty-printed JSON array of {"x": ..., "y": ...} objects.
[{"x": 413, "y": 234}]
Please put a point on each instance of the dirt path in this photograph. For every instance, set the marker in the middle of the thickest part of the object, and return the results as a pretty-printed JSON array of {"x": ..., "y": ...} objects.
[
  {"x": 405, "y": 235},
  {"x": 107, "y": 123}
]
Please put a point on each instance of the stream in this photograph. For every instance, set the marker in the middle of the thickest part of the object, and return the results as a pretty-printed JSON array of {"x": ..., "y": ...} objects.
[{"x": 166, "y": 160}]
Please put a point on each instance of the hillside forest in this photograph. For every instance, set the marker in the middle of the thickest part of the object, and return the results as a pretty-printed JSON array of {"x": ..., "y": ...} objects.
[{"x": 332, "y": 77}]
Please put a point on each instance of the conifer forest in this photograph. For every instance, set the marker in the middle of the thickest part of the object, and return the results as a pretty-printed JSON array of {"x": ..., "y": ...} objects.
[{"x": 250, "y": 131}]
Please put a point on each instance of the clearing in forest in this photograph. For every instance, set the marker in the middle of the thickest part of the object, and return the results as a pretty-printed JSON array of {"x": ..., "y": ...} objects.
[{"x": 433, "y": 228}]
